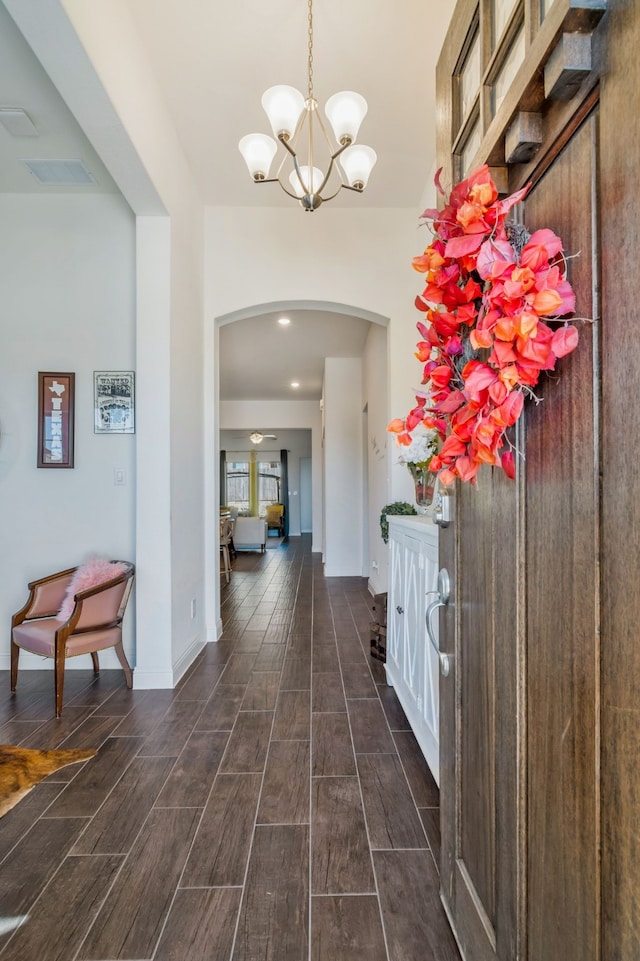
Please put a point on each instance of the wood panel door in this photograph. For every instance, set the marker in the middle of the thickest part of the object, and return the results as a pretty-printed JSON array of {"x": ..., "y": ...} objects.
[
  {"x": 540, "y": 716},
  {"x": 520, "y": 769},
  {"x": 561, "y": 592},
  {"x": 521, "y": 797}
]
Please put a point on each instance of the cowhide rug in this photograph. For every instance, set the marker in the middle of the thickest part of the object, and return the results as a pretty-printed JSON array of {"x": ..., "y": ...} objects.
[{"x": 22, "y": 768}]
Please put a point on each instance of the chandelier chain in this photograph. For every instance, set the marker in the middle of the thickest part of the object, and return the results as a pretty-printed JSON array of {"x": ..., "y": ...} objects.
[{"x": 310, "y": 32}]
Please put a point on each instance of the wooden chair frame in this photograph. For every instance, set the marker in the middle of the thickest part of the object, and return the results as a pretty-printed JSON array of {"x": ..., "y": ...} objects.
[{"x": 45, "y": 597}]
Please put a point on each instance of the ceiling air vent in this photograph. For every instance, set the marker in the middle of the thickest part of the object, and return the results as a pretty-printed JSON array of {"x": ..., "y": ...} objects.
[
  {"x": 60, "y": 173},
  {"x": 17, "y": 122}
]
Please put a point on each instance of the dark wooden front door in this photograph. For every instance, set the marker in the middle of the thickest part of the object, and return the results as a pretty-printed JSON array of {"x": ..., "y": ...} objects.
[
  {"x": 524, "y": 783},
  {"x": 540, "y": 725}
]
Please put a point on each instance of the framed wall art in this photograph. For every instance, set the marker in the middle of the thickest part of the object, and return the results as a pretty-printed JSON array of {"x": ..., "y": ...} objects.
[
  {"x": 55, "y": 419},
  {"x": 114, "y": 401}
]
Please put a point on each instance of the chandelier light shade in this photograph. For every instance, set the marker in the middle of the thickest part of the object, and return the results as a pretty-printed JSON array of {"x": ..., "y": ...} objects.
[
  {"x": 303, "y": 183},
  {"x": 256, "y": 437},
  {"x": 345, "y": 112},
  {"x": 357, "y": 162},
  {"x": 258, "y": 151},
  {"x": 283, "y": 106},
  {"x": 297, "y": 125}
]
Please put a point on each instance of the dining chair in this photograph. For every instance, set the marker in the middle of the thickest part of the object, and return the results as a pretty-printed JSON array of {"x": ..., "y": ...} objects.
[{"x": 226, "y": 535}]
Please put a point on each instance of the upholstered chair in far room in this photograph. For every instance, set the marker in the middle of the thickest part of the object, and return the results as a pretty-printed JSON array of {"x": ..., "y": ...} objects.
[
  {"x": 226, "y": 537},
  {"x": 77, "y": 611},
  {"x": 250, "y": 534},
  {"x": 274, "y": 515}
]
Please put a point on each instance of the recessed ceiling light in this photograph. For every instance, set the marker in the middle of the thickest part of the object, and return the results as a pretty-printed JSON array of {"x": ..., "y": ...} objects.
[
  {"x": 294, "y": 383},
  {"x": 284, "y": 321}
]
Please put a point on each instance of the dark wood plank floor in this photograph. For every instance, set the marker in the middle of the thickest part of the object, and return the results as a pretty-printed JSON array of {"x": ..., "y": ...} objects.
[{"x": 274, "y": 807}]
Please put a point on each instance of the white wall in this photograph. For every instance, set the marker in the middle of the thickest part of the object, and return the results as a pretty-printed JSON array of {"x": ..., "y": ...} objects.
[
  {"x": 306, "y": 490},
  {"x": 343, "y": 466},
  {"x": 355, "y": 257},
  {"x": 374, "y": 398},
  {"x": 351, "y": 256},
  {"x": 67, "y": 288},
  {"x": 96, "y": 58}
]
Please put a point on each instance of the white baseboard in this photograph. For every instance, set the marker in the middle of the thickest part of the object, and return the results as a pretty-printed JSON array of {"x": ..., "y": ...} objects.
[
  {"x": 144, "y": 680},
  {"x": 152, "y": 680},
  {"x": 215, "y": 633},
  {"x": 187, "y": 659}
]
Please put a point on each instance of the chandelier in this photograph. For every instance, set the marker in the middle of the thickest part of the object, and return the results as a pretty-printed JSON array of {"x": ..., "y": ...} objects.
[{"x": 298, "y": 126}]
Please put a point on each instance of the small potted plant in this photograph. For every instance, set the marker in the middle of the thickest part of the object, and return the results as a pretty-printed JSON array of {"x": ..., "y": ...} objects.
[{"x": 398, "y": 507}]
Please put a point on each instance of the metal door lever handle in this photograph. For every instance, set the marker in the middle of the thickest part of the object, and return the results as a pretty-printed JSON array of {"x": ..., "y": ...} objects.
[{"x": 443, "y": 593}]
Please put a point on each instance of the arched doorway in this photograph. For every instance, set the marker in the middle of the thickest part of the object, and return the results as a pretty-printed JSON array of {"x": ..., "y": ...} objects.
[{"x": 352, "y": 345}]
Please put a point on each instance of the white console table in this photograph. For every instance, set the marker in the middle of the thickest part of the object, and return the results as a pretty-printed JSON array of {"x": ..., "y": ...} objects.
[{"x": 412, "y": 663}]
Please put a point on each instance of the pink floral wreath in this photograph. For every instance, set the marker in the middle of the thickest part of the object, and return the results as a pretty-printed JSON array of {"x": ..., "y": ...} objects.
[{"x": 488, "y": 287}]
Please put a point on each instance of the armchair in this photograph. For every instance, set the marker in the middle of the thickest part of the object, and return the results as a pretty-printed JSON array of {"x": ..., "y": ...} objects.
[
  {"x": 250, "y": 534},
  {"x": 275, "y": 518},
  {"x": 94, "y": 624}
]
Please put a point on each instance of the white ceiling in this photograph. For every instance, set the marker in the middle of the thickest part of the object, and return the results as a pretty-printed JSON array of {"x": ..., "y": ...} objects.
[
  {"x": 237, "y": 441},
  {"x": 212, "y": 61},
  {"x": 215, "y": 59},
  {"x": 24, "y": 83},
  {"x": 259, "y": 359}
]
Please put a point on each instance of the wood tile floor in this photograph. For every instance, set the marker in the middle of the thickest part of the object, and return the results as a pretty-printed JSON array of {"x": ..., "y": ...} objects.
[{"x": 274, "y": 807}]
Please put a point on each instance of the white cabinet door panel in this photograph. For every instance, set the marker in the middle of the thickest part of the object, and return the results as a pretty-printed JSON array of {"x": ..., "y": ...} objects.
[{"x": 412, "y": 664}]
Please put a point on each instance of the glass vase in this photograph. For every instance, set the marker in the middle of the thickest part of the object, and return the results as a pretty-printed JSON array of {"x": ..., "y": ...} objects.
[{"x": 424, "y": 482}]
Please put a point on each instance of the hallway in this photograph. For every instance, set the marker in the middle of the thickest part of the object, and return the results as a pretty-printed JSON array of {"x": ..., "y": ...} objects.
[{"x": 274, "y": 807}]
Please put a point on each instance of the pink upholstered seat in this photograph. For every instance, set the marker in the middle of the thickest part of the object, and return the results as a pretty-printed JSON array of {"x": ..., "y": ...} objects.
[{"x": 94, "y": 624}]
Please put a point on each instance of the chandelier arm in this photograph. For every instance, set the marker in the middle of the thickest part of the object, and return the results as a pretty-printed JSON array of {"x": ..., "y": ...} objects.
[
  {"x": 327, "y": 138},
  {"x": 280, "y": 166},
  {"x": 288, "y": 192},
  {"x": 325, "y": 199},
  {"x": 296, "y": 167},
  {"x": 326, "y": 177},
  {"x": 287, "y": 145},
  {"x": 310, "y": 149},
  {"x": 332, "y": 156},
  {"x": 341, "y": 148}
]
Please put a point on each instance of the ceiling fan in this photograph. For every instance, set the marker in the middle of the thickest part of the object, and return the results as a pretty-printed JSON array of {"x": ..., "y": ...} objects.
[{"x": 256, "y": 437}]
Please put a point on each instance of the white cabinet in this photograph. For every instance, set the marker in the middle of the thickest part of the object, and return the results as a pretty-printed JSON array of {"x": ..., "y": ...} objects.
[{"x": 412, "y": 663}]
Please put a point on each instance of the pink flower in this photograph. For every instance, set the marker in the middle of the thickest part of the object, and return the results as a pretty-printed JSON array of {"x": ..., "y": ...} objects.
[{"x": 479, "y": 290}]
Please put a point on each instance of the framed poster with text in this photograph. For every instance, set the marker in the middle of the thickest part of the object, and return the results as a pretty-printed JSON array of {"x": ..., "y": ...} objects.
[
  {"x": 114, "y": 401},
  {"x": 55, "y": 419}
]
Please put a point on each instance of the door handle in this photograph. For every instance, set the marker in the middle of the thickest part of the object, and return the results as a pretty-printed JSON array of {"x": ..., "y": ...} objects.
[{"x": 443, "y": 593}]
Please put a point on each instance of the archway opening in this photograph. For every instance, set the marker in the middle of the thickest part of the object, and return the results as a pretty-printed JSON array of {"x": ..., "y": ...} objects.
[{"x": 337, "y": 355}]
